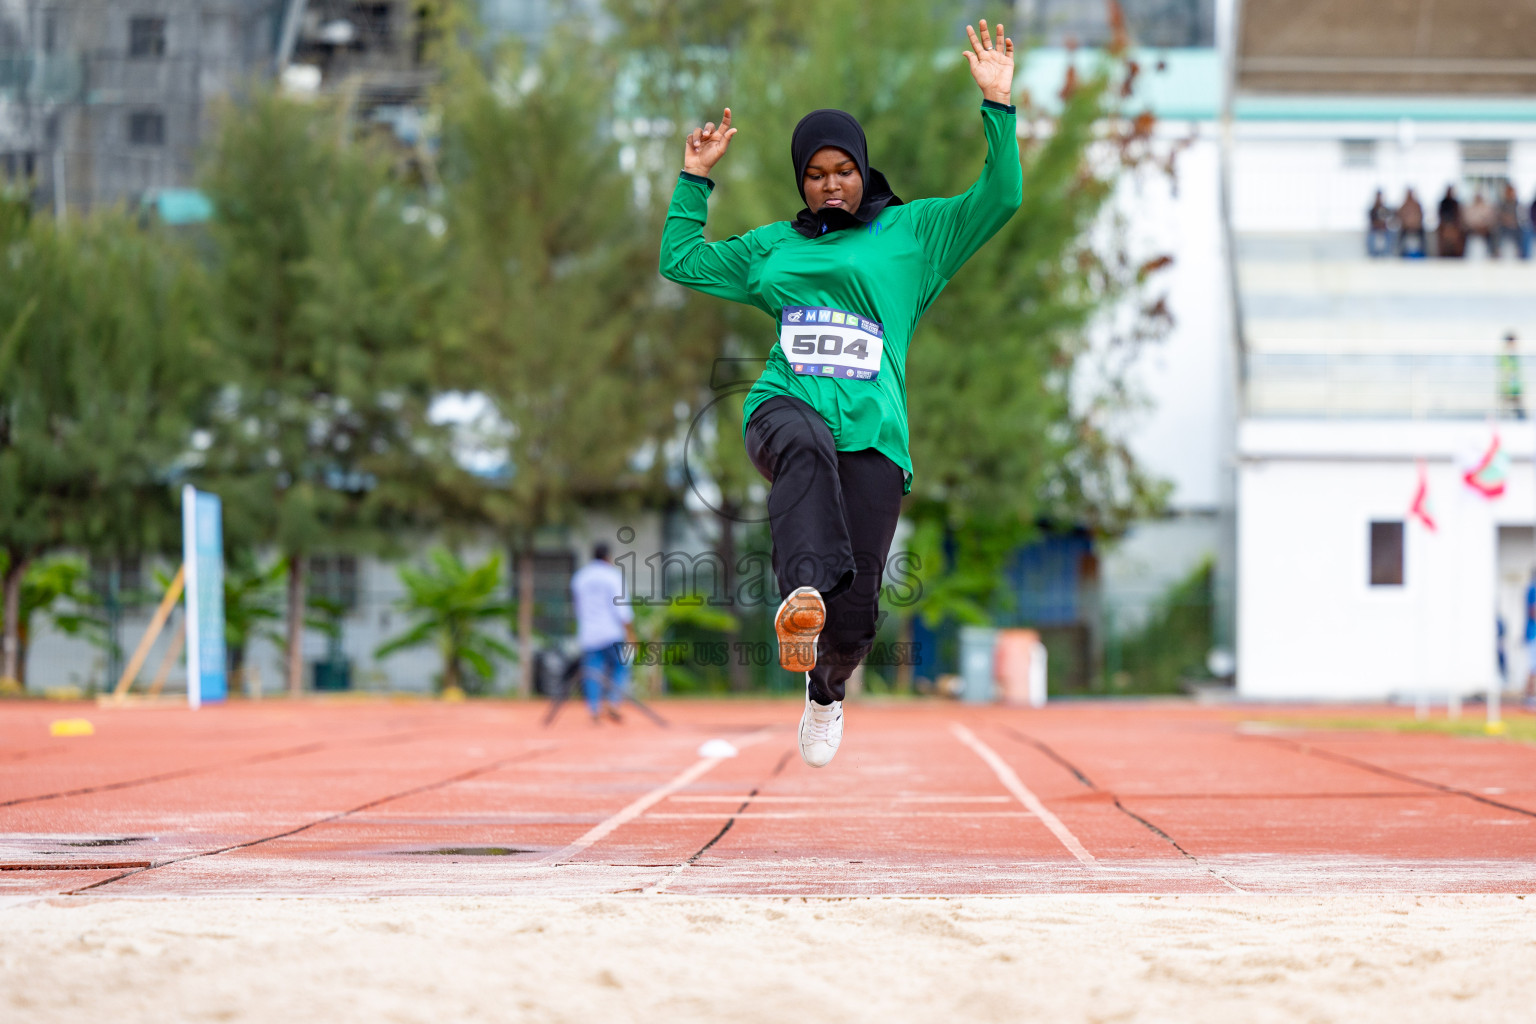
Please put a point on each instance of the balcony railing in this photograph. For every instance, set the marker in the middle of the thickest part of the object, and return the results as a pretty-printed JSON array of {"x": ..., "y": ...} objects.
[
  {"x": 1386, "y": 386},
  {"x": 50, "y": 78}
]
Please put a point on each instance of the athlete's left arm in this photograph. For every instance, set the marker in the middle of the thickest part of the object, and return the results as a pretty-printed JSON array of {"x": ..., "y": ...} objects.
[{"x": 951, "y": 230}]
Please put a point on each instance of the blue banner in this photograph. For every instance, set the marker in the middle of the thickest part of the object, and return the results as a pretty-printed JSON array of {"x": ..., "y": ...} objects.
[{"x": 202, "y": 543}]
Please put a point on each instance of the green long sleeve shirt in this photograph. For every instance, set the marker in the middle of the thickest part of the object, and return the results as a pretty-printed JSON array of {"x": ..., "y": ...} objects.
[{"x": 886, "y": 272}]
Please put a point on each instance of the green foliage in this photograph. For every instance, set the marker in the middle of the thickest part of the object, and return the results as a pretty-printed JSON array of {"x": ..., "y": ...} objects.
[
  {"x": 327, "y": 281},
  {"x": 1173, "y": 643},
  {"x": 57, "y": 588},
  {"x": 101, "y": 342},
  {"x": 250, "y": 602},
  {"x": 553, "y": 281},
  {"x": 326, "y": 284},
  {"x": 453, "y": 605},
  {"x": 677, "y": 619},
  {"x": 104, "y": 364},
  {"x": 552, "y": 275}
]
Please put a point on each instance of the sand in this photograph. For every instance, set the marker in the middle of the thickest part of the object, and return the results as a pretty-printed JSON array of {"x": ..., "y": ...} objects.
[{"x": 1035, "y": 958}]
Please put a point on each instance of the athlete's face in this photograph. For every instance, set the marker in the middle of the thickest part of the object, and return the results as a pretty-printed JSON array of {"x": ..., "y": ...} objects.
[{"x": 832, "y": 180}]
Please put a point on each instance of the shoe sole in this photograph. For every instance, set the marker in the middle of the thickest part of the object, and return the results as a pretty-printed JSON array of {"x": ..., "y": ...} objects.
[{"x": 798, "y": 623}]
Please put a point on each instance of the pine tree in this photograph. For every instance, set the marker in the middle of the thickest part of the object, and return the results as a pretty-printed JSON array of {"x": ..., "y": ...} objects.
[
  {"x": 553, "y": 278},
  {"x": 326, "y": 279},
  {"x": 102, "y": 366}
]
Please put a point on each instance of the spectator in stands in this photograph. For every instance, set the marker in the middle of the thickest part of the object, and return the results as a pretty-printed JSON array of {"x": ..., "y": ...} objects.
[
  {"x": 1410, "y": 227},
  {"x": 1378, "y": 240},
  {"x": 1530, "y": 643},
  {"x": 1509, "y": 379},
  {"x": 1509, "y": 224},
  {"x": 1479, "y": 221},
  {"x": 1530, "y": 227},
  {"x": 1450, "y": 232}
]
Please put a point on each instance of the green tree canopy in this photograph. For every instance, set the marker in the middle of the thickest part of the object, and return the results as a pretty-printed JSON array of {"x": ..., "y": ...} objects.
[
  {"x": 102, "y": 365},
  {"x": 326, "y": 281},
  {"x": 553, "y": 287}
]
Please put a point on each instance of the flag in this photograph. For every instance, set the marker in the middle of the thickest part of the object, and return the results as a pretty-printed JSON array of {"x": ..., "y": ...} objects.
[
  {"x": 1420, "y": 508},
  {"x": 1487, "y": 476}
]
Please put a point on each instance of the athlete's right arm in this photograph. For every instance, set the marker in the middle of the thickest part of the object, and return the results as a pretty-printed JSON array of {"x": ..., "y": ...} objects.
[{"x": 715, "y": 268}]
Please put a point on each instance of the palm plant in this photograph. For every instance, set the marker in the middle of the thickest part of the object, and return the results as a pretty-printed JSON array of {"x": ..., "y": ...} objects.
[
  {"x": 453, "y": 604},
  {"x": 654, "y": 621},
  {"x": 43, "y": 586},
  {"x": 250, "y": 606}
]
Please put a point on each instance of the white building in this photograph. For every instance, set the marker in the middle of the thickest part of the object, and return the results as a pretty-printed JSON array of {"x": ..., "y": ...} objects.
[
  {"x": 1184, "y": 433},
  {"x": 1357, "y": 371}
]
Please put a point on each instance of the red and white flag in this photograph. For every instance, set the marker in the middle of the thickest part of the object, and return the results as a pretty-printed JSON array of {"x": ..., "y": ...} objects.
[
  {"x": 1420, "y": 508},
  {"x": 1488, "y": 472}
]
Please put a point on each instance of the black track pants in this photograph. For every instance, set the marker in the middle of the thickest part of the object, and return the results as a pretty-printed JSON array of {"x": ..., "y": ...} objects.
[{"x": 832, "y": 515}]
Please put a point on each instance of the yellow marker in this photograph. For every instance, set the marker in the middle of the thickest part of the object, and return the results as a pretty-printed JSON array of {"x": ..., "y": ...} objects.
[
  {"x": 71, "y": 727},
  {"x": 1495, "y": 728}
]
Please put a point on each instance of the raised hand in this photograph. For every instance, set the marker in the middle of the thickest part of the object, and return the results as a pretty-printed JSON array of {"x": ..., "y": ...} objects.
[
  {"x": 705, "y": 146},
  {"x": 991, "y": 60}
]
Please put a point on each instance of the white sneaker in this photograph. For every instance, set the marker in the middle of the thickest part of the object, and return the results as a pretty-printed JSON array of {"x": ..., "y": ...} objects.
[{"x": 821, "y": 729}]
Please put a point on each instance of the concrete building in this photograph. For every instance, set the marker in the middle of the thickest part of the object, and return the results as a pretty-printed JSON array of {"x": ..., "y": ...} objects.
[
  {"x": 1357, "y": 372},
  {"x": 1151, "y": 23},
  {"x": 104, "y": 103}
]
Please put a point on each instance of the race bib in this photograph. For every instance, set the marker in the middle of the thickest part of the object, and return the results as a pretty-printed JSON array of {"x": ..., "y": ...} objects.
[{"x": 825, "y": 342}]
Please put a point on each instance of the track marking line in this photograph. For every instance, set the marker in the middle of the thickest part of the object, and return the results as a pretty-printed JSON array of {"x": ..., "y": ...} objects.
[
  {"x": 703, "y": 816},
  {"x": 1013, "y": 784},
  {"x": 699, "y": 798},
  {"x": 1077, "y": 772},
  {"x": 634, "y": 809},
  {"x": 671, "y": 876}
]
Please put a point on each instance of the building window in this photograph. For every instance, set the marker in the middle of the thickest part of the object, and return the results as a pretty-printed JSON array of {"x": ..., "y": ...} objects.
[
  {"x": 333, "y": 579},
  {"x": 1387, "y": 554},
  {"x": 146, "y": 37},
  {"x": 1360, "y": 153},
  {"x": 146, "y": 128}
]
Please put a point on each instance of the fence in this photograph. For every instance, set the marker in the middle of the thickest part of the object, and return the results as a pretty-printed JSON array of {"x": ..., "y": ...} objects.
[{"x": 1409, "y": 386}]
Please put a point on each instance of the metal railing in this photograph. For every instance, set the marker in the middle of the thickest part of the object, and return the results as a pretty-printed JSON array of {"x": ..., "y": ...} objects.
[{"x": 1404, "y": 386}]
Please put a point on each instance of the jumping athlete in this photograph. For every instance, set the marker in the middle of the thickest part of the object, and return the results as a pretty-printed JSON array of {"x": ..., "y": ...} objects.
[{"x": 826, "y": 423}]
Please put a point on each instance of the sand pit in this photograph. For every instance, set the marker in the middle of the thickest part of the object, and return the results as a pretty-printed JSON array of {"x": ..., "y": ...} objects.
[{"x": 1041, "y": 958}]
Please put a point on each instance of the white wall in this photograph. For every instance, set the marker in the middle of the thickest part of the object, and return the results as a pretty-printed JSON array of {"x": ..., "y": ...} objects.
[
  {"x": 1309, "y": 624},
  {"x": 1181, "y": 437}
]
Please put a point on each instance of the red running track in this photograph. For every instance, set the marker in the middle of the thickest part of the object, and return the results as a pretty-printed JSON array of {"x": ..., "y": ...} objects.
[{"x": 416, "y": 798}]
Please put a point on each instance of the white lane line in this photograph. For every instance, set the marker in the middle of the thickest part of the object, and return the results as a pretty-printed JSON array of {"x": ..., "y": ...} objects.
[
  {"x": 632, "y": 811},
  {"x": 840, "y": 814},
  {"x": 1013, "y": 784},
  {"x": 700, "y": 798}
]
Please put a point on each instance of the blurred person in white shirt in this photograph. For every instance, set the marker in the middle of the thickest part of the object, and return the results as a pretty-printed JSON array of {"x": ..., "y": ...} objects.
[{"x": 604, "y": 624}]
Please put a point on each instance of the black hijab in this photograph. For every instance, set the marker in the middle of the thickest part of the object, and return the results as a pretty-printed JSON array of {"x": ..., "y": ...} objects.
[{"x": 839, "y": 129}]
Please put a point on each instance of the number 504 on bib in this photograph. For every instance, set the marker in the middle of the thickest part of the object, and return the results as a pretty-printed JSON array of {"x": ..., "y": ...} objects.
[{"x": 824, "y": 342}]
